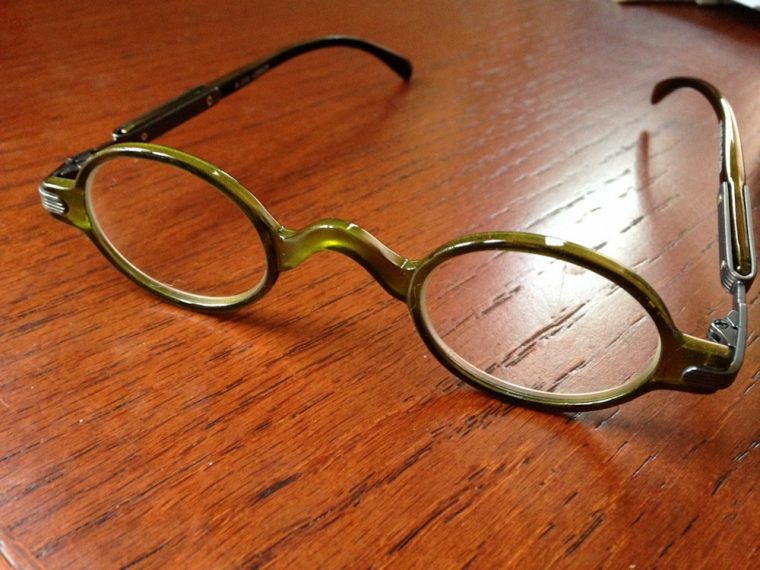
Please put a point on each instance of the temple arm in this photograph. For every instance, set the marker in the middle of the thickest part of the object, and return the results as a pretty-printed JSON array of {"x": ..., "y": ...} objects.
[
  {"x": 735, "y": 195},
  {"x": 737, "y": 247},
  {"x": 193, "y": 102}
]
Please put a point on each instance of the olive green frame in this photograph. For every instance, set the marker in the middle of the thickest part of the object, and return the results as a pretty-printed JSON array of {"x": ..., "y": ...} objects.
[{"x": 681, "y": 361}]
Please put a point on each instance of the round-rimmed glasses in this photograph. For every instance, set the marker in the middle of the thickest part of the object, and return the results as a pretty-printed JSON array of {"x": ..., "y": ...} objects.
[{"x": 189, "y": 232}]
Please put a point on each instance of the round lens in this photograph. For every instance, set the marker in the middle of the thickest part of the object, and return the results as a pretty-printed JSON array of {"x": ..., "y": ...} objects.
[
  {"x": 175, "y": 228},
  {"x": 535, "y": 322}
]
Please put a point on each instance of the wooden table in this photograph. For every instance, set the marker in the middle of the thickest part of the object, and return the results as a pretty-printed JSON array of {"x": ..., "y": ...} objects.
[{"x": 315, "y": 429}]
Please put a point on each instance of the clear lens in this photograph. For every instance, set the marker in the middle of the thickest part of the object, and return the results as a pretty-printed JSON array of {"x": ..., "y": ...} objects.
[
  {"x": 175, "y": 228},
  {"x": 540, "y": 323}
]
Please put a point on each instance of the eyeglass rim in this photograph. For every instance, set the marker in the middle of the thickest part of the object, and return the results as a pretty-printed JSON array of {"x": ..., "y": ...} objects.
[
  {"x": 265, "y": 226},
  {"x": 547, "y": 246}
]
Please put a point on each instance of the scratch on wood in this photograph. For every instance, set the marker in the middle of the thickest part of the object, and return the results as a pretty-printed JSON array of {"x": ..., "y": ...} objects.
[
  {"x": 549, "y": 527},
  {"x": 26, "y": 328},
  {"x": 332, "y": 514},
  {"x": 309, "y": 405},
  {"x": 688, "y": 526},
  {"x": 523, "y": 354},
  {"x": 247, "y": 402},
  {"x": 471, "y": 561},
  {"x": 635, "y": 222},
  {"x": 466, "y": 504},
  {"x": 598, "y": 520},
  {"x": 476, "y": 474},
  {"x": 608, "y": 418},
  {"x": 220, "y": 355},
  {"x": 53, "y": 545},
  {"x": 20, "y": 451},
  {"x": 412, "y": 534},
  {"x": 556, "y": 211},
  {"x": 408, "y": 462},
  {"x": 557, "y": 382},
  {"x": 720, "y": 482},
  {"x": 646, "y": 462},
  {"x": 694, "y": 448},
  {"x": 213, "y": 395},
  {"x": 551, "y": 328},
  {"x": 620, "y": 448},
  {"x": 665, "y": 550},
  {"x": 274, "y": 487},
  {"x": 501, "y": 299},
  {"x": 144, "y": 556}
]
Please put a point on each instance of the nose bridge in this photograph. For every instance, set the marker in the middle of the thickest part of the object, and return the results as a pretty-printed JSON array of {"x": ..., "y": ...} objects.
[{"x": 392, "y": 271}]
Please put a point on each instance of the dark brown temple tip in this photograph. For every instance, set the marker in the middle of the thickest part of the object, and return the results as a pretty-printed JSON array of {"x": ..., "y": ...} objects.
[{"x": 709, "y": 91}]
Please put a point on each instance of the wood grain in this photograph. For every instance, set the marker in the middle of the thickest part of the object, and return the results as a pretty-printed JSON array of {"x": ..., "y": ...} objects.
[{"x": 314, "y": 429}]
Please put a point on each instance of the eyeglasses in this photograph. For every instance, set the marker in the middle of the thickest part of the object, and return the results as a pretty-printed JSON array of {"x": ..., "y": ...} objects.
[{"x": 191, "y": 234}]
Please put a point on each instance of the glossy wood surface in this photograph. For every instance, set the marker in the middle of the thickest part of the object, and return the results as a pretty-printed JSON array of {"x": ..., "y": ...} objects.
[{"x": 314, "y": 429}]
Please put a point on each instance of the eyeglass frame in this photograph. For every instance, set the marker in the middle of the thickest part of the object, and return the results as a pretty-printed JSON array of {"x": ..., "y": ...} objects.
[{"x": 681, "y": 361}]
